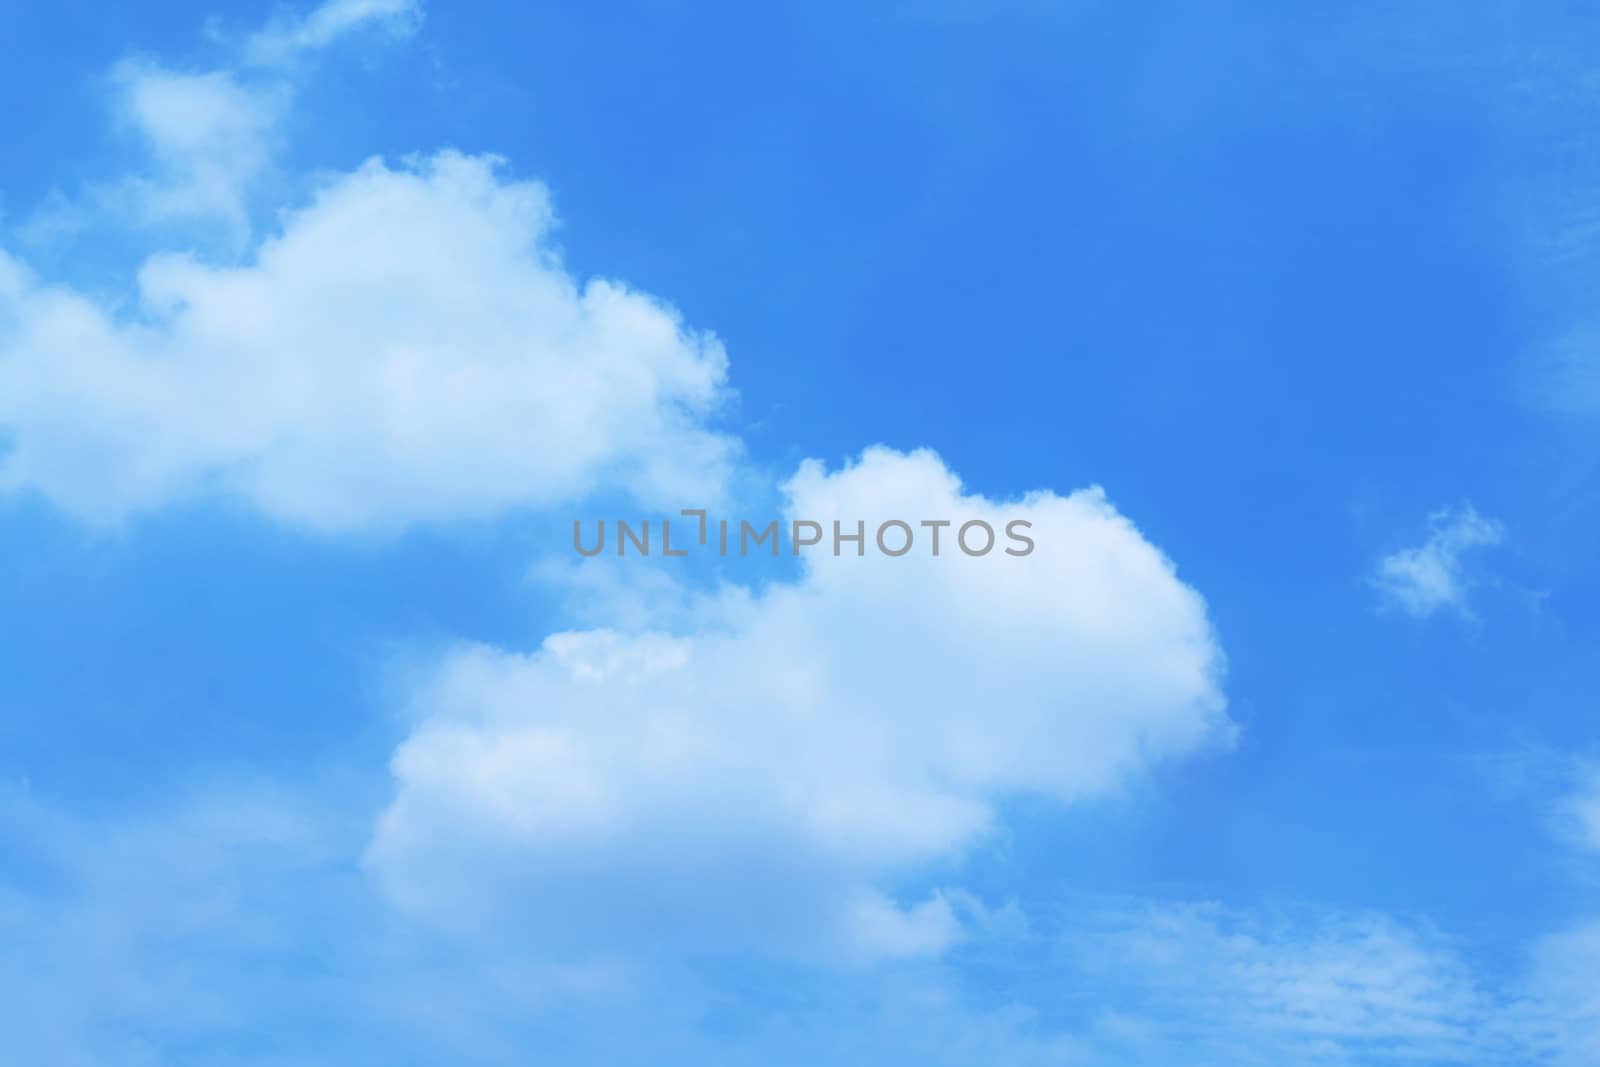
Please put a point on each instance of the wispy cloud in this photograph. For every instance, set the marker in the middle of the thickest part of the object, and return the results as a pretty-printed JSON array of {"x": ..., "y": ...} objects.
[
  {"x": 1432, "y": 577},
  {"x": 1201, "y": 983},
  {"x": 288, "y": 36},
  {"x": 209, "y": 138}
]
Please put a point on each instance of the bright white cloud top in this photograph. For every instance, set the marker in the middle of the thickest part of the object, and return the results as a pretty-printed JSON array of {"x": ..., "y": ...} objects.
[
  {"x": 408, "y": 348},
  {"x": 809, "y": 743}
]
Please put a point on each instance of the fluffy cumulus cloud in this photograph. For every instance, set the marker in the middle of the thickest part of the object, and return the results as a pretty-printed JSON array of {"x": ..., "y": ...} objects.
[
  {"x": 407, "y": 348},
  {"x": 1432, "y": 576},
  {"x": 812, "y": 744}
]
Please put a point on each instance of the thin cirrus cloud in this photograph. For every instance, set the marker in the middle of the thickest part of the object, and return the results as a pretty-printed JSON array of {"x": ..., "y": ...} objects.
[
  {"x": 1194, "y": 982},
  {"x": 812, "y": 743},
  {"x": 1432, "y": 577},
  {"x": 1563, "y": 1006},
  {"x": 288, "y": 36}
]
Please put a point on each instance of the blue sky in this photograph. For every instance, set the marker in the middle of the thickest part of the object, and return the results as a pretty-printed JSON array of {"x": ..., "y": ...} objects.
[{"x": 320, "y": 325}]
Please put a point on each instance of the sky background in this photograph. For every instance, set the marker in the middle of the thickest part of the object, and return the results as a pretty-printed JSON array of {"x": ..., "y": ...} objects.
[{"x": 1307, "y": 290}]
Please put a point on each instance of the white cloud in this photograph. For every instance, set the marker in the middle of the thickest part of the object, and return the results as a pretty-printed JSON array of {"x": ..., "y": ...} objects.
[
  {"x": 1562, "y": 1012},
  {"x": 209, "y": 138},
  {"x": 1198, "y": 983},
  {"x": 811, "y": 744},
  {"x": 1431, "y": 577},
  {"x": 288, "y": 36},
  {"x": 135, "y": 928},
  {"x": 164, "y": 927},
  {"x": 408, "y": 348},
  {"x": 138, "y": 934},
  {"x": 1262, "y": 989}
]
